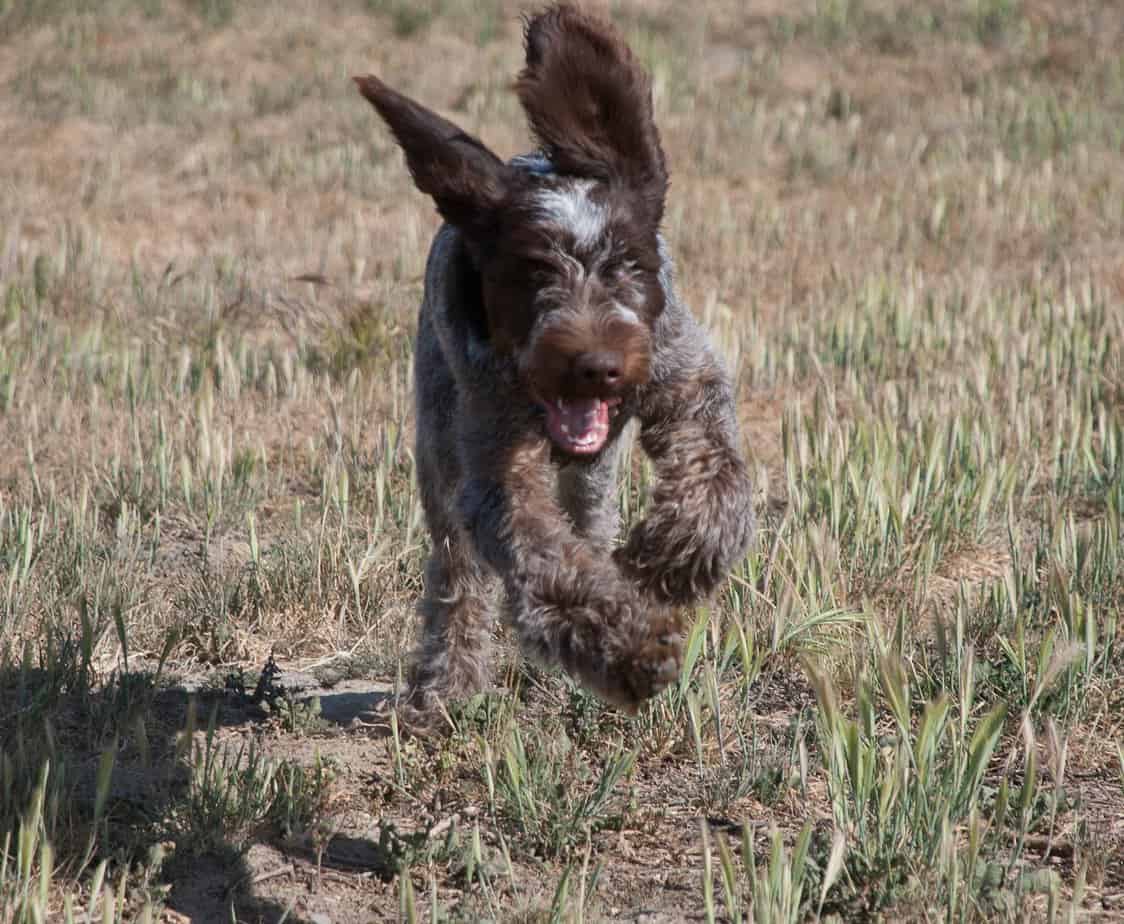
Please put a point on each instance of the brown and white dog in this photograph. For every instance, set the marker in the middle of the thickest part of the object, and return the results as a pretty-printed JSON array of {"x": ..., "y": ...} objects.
[{"x": 550, "y": 321}]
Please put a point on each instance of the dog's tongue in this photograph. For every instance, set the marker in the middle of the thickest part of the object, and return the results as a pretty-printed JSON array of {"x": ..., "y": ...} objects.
[
  {"x": 579, "y": 425},
  {"x": 581, "y": 416}
]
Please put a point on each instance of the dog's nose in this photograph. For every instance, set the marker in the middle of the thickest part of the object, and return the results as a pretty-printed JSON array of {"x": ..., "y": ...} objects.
[{"x": 600, "y": 370}]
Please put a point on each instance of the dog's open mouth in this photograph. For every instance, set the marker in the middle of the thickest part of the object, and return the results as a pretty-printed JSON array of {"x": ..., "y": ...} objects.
[{"x": 580, "y": 425}]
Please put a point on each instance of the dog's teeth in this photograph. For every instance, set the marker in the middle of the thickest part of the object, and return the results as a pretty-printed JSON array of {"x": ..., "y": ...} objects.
[
  {"x": 561, "y": 405},
  {"x": 565, "y": 429}
]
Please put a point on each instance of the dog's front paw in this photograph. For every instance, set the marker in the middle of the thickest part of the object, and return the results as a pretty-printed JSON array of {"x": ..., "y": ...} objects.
[
  {"x": 645, "y": 668},
  {"x": 655, "y": 665}
]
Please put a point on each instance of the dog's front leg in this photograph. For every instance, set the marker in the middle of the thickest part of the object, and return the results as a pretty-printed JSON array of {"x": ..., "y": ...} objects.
[
  {"x": 700, "y": 519},
  {"x": 568, "y": 605}
]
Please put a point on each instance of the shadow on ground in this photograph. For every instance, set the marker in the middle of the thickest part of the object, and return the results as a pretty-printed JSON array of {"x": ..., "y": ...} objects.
[{"x": 174, "y": 786}]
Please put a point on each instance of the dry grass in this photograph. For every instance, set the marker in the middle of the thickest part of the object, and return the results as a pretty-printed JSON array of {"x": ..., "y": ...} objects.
[{"x": 904, "y": 223}]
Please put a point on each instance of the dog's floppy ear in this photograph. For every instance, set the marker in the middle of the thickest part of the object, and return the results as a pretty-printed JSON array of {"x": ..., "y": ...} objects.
[
  {"x": 464, "y": 178},
  {"x": 589, "y": 103}
]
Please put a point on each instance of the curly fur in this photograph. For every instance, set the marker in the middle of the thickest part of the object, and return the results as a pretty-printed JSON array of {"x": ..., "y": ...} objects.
[{"x": 551, "y": 275}]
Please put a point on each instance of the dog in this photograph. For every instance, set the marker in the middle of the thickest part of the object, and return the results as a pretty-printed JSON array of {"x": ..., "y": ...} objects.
[{"x": 549, "y": 321}]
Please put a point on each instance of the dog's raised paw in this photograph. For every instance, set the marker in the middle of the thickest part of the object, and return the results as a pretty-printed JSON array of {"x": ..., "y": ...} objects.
[{"x": 654, "y": 666}]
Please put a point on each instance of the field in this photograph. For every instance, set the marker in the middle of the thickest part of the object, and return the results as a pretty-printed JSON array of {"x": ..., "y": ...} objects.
[{"x": 904, "y": 225}]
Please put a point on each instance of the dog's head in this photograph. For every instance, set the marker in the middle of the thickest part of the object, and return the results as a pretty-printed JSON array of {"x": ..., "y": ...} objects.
[{"x": 567, "y": 256}]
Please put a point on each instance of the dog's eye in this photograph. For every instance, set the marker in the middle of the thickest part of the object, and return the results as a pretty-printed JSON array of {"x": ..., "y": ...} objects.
[
  {"x": 617, "y": 267},
  {"x": 538, "y": 269},
  {"x": 612, "y": 268}
]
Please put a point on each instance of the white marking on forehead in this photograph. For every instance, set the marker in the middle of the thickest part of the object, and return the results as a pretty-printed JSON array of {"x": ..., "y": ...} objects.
[{"x": 570, "y": 207}]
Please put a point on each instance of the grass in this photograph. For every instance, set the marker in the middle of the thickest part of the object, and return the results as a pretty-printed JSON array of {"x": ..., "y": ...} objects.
[{"x": 902, "y": 228}]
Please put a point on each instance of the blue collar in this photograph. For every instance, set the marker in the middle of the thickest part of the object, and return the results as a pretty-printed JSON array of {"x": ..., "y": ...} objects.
[{"x": 536, "y": 162}]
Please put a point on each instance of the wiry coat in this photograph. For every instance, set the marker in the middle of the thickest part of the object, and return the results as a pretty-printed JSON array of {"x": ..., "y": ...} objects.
[{"x": 550, "y": 322}]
